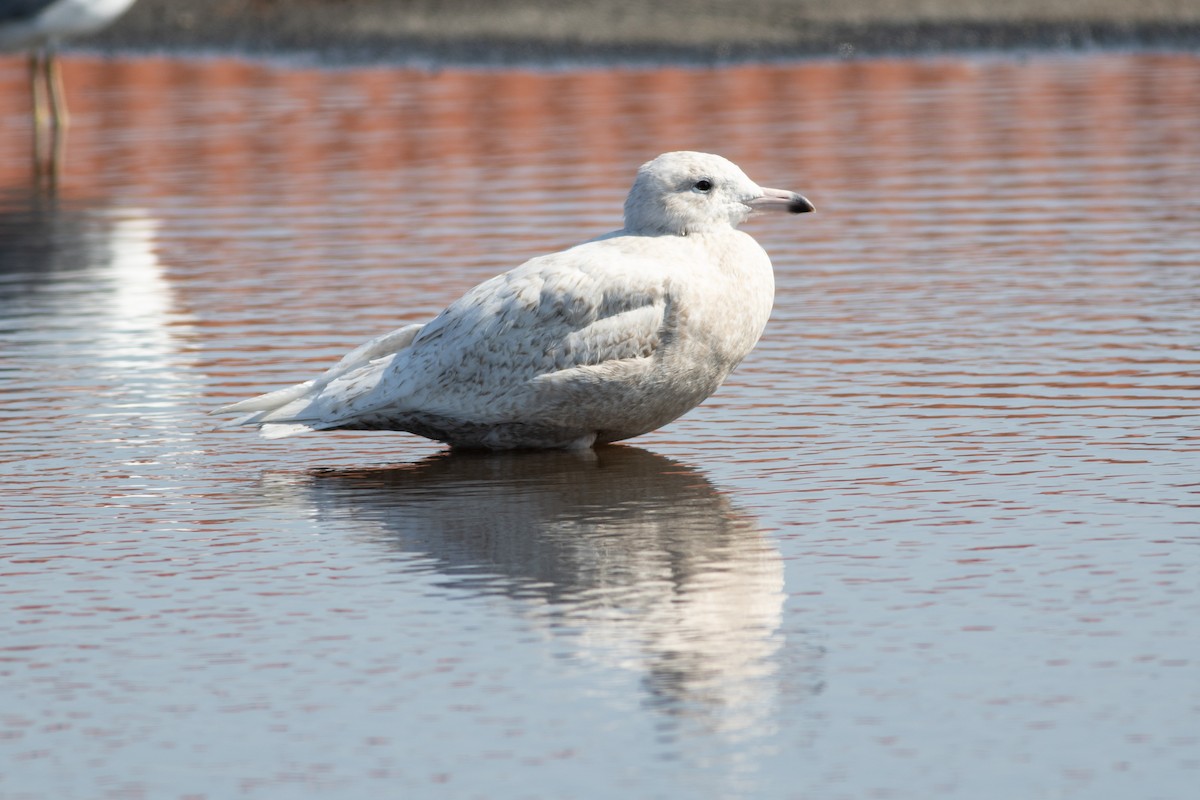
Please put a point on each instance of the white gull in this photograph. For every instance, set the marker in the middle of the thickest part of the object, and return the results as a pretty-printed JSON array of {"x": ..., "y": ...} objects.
[
  {"x": 39, "y": 26},
  {"x": 604, "y": 341}
]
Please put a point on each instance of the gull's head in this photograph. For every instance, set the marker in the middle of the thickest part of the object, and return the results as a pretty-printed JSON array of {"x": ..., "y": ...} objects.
[{"x": 685, "y": 192}]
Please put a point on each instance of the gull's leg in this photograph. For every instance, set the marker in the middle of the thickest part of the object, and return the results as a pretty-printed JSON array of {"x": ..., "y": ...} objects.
[
  {"x": 58, "y": 98},
  {"x": 37, "y": 87},
  {"x": 37, "y": 91}
]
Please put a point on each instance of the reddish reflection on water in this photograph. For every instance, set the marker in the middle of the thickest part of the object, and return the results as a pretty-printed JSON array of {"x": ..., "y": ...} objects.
[
  {"x": 214, "y": 128},
  {"x": 964, "y": 455}
]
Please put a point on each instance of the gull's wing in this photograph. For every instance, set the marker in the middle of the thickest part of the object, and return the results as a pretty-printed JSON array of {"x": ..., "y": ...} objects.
[
  {"x": 22, "y": 10},
  {"x": 593, "y": 306},
  {"x": 595, "y": 309}
]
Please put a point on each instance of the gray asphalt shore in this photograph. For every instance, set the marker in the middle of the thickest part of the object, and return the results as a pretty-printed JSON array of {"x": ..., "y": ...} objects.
[{"x": 532, "y": 31}]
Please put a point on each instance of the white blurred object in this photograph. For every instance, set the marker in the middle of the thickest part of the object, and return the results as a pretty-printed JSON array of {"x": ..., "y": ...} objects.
[{"x": 39, "y": 26}]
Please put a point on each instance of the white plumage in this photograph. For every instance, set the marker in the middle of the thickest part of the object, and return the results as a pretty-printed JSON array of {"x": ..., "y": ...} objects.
[{"x": 604, "y": 341}]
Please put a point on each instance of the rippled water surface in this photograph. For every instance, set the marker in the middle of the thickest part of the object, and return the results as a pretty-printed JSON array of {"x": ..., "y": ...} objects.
[{"x": 939, "y": 536}]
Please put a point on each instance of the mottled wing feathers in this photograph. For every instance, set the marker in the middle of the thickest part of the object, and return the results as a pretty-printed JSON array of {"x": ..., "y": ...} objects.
[
  {"x": 486, "y": 354},
  {"x": 552, "y": 314}
]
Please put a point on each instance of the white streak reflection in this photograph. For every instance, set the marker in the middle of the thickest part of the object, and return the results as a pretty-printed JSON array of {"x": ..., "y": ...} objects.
[{"x": 97, "y": 341}]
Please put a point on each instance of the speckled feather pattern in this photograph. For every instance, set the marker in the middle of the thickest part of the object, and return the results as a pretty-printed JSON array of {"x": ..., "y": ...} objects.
[{"x": 604, "y": 341}]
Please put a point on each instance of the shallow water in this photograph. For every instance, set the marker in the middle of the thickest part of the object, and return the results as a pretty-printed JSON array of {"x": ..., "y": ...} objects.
[{"x": 937, "y": 537}]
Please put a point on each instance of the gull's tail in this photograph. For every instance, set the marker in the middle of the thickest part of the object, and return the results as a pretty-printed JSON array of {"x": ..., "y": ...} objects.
[
  {"x": 279, "y": 404},
  {"x": 298, "y": 409}
]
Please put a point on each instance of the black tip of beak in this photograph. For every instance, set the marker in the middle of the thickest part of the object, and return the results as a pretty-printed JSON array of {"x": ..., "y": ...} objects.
[{"x": 799, "y": 205}]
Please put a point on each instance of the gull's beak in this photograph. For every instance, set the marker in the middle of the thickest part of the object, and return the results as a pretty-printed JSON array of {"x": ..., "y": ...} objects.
[{"x": 780, "y": 200}]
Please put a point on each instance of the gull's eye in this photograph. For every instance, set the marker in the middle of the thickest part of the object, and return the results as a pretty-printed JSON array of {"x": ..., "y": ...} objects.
[{"x": 703, "y": 185}]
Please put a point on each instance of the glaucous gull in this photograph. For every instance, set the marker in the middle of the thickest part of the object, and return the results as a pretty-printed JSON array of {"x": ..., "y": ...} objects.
[
  {"x": 38, "y": 26},
  {"x": 603, "y": 341}
]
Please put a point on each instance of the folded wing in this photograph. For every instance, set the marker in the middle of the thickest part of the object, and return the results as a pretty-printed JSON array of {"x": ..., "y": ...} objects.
[{"x": 555, "y": 320}]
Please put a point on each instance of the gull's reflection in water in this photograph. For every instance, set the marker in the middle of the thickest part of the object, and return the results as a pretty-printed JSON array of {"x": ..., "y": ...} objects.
[{"x": 636, "y": 560}]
